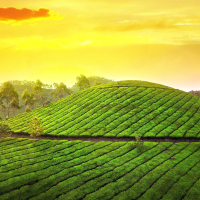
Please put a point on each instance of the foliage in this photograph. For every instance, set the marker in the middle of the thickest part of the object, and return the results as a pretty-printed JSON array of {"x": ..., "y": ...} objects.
[
  {"x": 4, "y": 127},
  {"x": 47, "y": 102},
  {"x": 15, "y": 103},
  {"x": 119, "y": 172},
  {"x": 4, "y": 130},
  {"x": 24, "y": 82},
  {"x": 42, "y": 97},
  {"x": 136, "y": 83},
  {"x": 96, "y": 83},
  {"x": 9, "y": 100},
  {"x": 99, "y": 79},
  {"x": 82, "y": 82},
  {"x": 54, "y": 95},
  {"x": 91, "y": 79},
  {"x": 139, "y": 143},
  {"x": 28, "y": 98},
  {"x": 61, "y": 91},
  {"x": 197, "y": 92},
  {"x": 55, "y": 85},
  {"x": 39, "y": 94},
  {"x": 27, "y": 109},
  {"x": 37, "y": 88},
  {"x": 36, "y": 127},
  {"x": 122, "y": 111},
  {"x": 28, "y": 84}
]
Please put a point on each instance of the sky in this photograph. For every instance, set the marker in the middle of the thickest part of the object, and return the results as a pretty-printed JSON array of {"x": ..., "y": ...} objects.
[{"x": 57, "y": 40}]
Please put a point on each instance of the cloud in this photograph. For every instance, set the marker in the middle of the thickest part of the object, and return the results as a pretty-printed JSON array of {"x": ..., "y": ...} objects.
[
  {"x": 22, "y": 14},
  {"x": 127, "y": 25},
  {"x": 86, "y": 42},
  {"x": 124, "y": 21}
]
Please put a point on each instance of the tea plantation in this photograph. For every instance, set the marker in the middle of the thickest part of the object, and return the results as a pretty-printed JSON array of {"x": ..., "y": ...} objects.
[
  {"x": 119, "y": 109},
  {"x": 75, "y": 170}
]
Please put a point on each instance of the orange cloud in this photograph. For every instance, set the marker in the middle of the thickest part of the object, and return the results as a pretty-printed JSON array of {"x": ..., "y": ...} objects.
[{"x": 22, "y": 14}]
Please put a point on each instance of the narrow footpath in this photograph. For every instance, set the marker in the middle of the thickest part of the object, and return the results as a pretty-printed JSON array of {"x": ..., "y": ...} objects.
[{"x": 99, "y": 139}]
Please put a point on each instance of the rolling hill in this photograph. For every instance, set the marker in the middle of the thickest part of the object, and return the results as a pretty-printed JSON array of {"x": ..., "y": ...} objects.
[
  {"x": 119, "y": 109},
  {"x": 60, "y": 169}
]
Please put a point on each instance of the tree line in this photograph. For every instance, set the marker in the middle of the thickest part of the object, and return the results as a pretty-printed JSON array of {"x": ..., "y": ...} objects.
[
  {"x": 197, "y": 92},
  {"x": 41, "y": 95},
  {"x": 30, "y": 83}
]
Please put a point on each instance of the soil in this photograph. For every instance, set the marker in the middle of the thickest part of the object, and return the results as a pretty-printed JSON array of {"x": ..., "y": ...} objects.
[{"x": 98, "y": 139}]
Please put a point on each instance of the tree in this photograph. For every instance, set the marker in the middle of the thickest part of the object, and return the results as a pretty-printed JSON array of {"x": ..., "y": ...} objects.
[
  {"x": 15, "y": 105},
  {"x": 37, "y": 88},
  {"x": 39, "y": 92},
  {"x": 82, "y": 82},
  {"x": 36, "y": 127},
  {"x": 96, "y": 83},
  {"x": 92, "y": 79},
  {"x": 28, "y": 98},
  {"x": 54, "y": 95},
  {"x": 55, "y": 85},
  {"x": 42, "y": 98},
  {"x": 9, "y": 99},
  {"x": 61, "y": 91},
  {"x": 197, "y": 92},
  {"x": 98, "y": 79}
]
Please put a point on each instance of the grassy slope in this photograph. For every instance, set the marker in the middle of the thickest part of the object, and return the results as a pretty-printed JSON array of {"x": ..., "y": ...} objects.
[
  {"x": 119, "y": 109},
  {"x": 44, "y": 169}
]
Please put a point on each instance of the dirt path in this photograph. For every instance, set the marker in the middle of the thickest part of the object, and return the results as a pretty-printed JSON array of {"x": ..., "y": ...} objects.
[{"x": 98, "y": 139}]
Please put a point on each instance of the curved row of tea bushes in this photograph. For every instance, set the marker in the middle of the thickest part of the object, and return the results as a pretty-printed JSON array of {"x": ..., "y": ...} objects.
[
  {"x": 101, "y": 110},
  {"x": 118, "y": 112},
  {"x": 45, "y": 169},
  {"x": 133, "y": 83},
  {"x": 20, "y": 120}
]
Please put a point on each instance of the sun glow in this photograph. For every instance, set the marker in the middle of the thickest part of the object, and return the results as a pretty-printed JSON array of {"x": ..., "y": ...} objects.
[{"x": 109, "y": 38}]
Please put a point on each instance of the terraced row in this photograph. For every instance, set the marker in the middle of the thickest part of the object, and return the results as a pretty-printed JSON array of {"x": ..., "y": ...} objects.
[
  {"x": 19, "y": 121},
  {"x": 118, "y": 112},
  {"x": 44, "y": 169}
]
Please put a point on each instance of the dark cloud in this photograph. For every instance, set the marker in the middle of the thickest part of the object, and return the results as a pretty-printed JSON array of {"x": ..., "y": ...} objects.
[{"x": 22, "y": 14}]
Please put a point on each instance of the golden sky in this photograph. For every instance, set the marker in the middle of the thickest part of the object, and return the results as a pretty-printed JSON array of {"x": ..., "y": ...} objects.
[{"x": 57, "y": 40}]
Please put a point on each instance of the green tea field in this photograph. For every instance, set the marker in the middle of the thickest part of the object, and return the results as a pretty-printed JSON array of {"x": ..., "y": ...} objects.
[
  {"x": 44, "y": 169},
  {"x": 59, "y": 165},
  {"x": 119, "y": 109}
]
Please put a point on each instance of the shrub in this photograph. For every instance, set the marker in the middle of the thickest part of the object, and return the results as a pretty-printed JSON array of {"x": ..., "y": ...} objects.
[
  {"x": 27, "y": 109},
  {"x": 36, "y": 128},
  {"x": 4, "y": 130},
  {"x": 139, "y": 143}
]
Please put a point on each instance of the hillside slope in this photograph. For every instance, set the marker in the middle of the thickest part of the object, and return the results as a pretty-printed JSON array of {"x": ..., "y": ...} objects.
[
  {"x": 119, "y": 109},
  {"x": 75, "y": 170}
]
